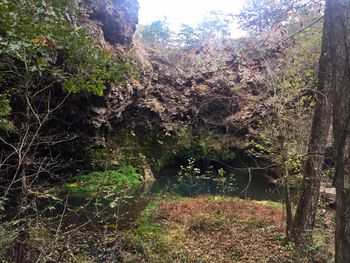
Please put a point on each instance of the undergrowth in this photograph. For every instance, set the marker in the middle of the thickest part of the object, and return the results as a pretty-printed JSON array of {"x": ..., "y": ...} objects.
[
  {"x": 150, "y": 241},
  {"x": 110, "y": 180},
  {"x": 227, "y": 229}
]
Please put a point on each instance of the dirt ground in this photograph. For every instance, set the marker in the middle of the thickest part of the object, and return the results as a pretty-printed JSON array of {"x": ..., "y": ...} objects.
[{"x": 218, "y": 229}]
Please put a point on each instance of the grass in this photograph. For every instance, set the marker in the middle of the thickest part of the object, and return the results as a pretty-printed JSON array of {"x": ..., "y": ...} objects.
[
  {"x": 103, "y": 181},
  {"x": 270, "y": 204},
  {"x": 212, "y": 229},
  {"x": 152, "y": 242}
]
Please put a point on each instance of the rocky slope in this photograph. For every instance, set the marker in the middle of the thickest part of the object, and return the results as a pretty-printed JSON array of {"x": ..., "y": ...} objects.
[
  {"x": 217, "y": 85},
  {"x": 112, "y": 24}
]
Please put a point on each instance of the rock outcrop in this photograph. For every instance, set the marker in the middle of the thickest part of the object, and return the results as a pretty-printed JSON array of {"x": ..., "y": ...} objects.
[
  {"x": 220, "y": 85},
  {"x": 112, "y": 24}
]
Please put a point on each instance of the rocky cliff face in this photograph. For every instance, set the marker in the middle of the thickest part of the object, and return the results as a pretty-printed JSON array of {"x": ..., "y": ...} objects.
[
  {"x": 218, "y": 85},
  {"x": 112, "y": 24}
]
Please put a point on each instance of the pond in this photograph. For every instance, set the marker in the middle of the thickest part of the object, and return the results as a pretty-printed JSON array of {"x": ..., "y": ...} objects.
[{"x": 121, "y": 210}]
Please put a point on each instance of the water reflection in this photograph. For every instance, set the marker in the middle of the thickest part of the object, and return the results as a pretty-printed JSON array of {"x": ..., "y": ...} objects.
[{"x": 120, "y": 210}]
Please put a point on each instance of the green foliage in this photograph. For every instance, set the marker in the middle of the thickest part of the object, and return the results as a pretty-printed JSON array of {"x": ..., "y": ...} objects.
[
  {"x": 287, "y": 159},
  {"x": 259, "y": 16},
  {"x": 106, "y": 181},
  {"x": 270, "y": 204},
  {"x": 227, "y": 182},
  {"x": 301, "y": 73},
  {"x": 145, "y": 227},
  {"x": 124, "y": 146},
  {"x": 5, "y": 111},
  {"x": 188, "y": 35},
  {"x": 147, "y": 236},
  {"x": 102, "y": 159},
  {"x": 40, "y": 46},
  {"x": 134, "y": 148},
  {"x": 189, "y": 230},
  {"x": 7, "y": 235},
  {"x": 187, "y": 176},
  {"x": 150, "y": 240},
  {"x": 190, "y": 169},
  {"x": 206, "y": 144},
  {"x": 214, "y": 25},
  {"x": 283, "y": 127},
  {"x": 157, "y": 33},
  {"x": 266, "y": 15},
  {"x": 160, "y": 149},
  {"x": 322, "y": 248}
]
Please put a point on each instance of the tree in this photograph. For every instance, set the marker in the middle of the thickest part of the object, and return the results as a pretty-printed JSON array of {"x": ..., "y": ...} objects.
[
  {"x": 339, "y": 28},
  {"x": 157, "y": 33},
  {"x": 43, "y": 60},
  {"x": 5, "y": 110},
  {"x": 305, "y": 215},
  {"x": 283, "y": 126},
  {"x": 265, "y": 16},
  {"x": 260, "y": 16},
  {"x": 215, "y": 25},
  {"x": 188, "y": 35}
]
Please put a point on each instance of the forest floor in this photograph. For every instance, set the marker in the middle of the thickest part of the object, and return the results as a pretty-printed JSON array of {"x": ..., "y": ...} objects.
[
  {"x": 204, "y": 229},
  {"x": 221, "y": 229}
]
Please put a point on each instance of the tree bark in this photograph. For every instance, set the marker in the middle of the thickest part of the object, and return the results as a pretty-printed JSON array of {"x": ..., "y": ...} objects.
[
  {"x": 340, "y": 56},
  {"x": 23, "y": 235},
  {"x": 304, "y": 219},
  {"x": 289, "y": 213},
  {"x": 283, "y": 171}
]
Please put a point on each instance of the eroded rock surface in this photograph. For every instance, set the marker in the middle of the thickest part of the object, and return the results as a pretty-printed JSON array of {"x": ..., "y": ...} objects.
[
  {"x": 112, "y": 24},
  {"x": 219, "y": 85}
]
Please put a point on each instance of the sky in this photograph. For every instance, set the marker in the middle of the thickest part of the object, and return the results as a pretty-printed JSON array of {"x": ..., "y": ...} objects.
[{"x": 186, "y": 11}]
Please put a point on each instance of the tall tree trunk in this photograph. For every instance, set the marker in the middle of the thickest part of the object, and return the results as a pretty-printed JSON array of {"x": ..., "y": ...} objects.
[
  {"x": 284, "y": 174},
  {"x": 304, "y": 219},
  {"x": 23, "y": 231},
  {"x": 289, "y": 213},
  {"x": 340, "y": 56}
]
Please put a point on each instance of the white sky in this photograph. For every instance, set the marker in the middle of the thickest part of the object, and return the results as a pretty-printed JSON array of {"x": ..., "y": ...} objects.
[{"x": 185, "y": 11}]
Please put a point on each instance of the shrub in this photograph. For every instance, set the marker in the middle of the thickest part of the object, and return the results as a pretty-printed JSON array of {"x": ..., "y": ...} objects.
[{"x": 108, "y": 180}]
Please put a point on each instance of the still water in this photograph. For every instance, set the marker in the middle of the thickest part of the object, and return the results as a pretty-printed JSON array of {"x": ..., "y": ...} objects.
[{"x": 121, "y": 210}]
